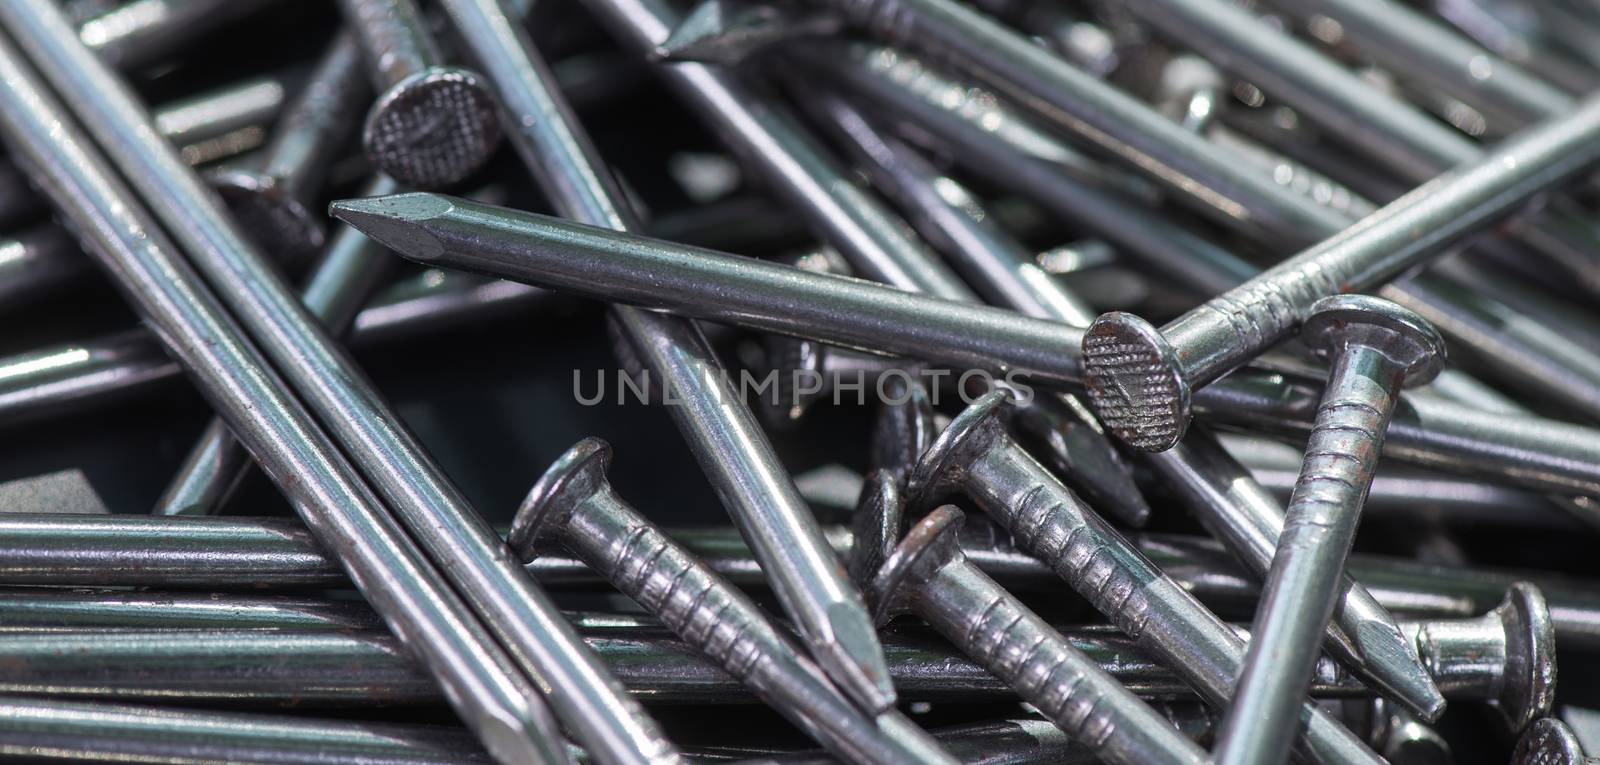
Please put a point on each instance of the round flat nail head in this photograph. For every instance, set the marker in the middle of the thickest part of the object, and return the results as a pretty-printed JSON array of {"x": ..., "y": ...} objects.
[
  {"x": 571, "y": 479},
  {"x": 433, "y": 128},
  {"x": 930, "y": 544},
  {"x": 1408, "y": 339},
  {"x": 273, "y": 218},
  {"x": 1135, "y": 382},
  {"x": 943, "y": 465}
]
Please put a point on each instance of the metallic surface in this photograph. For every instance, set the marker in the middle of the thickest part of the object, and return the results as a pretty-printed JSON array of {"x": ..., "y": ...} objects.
[
  {"x": 542, "y": 644},
  {"x": 976, "y": 456},
  {"x": 1140, "y": 377},
  {"x": 432, "y": 125},
  {"x": 494, "y": 700},
  {"x": 573, "y": 504},
  {"x": 1375, "y": 347},
  {"x": 926, "y": 574},
  {"x": 721, "y": 432}
]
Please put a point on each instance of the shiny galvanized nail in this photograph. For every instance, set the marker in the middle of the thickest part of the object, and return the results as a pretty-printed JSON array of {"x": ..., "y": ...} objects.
[
  {"x": 1392, "y": 133},
  {"x": 471, "y": 555},
  {"x": 341, "y": 282},
  {"x": 551, "y": 252},
  {"x": 25, "y": 609},
  {"x": 137, "y": 33},
  {"x": 275, "y": 200},
  {"x": 720, "y": 430},
  {"x": 205, "y": 127},
  {"x": 88, "y": 732},
  {"x": 927, "y": 575},
  {"x": 1230, "y": 189},
  {"x": 491, "y": 696},
  {"x": 433, "y": 124},
  {"x": 1420, "y": 49},
  {"x": 1550, "y": 742},
  {"x": 1515, "y": 642},
  {"x": 1140, "y": 378},
  {"x": 975, "y": 455},
  {"x": 1375, "y": 347},
  {"x": 769, "y": 140},
  {"x": 574, "y": 505}
]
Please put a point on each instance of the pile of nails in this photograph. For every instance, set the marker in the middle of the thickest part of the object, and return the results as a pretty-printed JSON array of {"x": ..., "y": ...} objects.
[{"x": 987, "y": 381}]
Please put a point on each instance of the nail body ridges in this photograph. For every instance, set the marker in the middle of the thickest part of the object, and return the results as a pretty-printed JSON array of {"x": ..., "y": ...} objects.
[
  {"x": 926, "y": 574},
  {"x": 975, "y": 455},
  {"x": 720, "y": 430},
  {"x": 574, "y": 504},
  {"x": 1374, "y": 347}
]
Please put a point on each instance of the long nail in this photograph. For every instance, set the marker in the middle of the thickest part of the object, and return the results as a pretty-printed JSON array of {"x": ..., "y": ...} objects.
[
  {"x": 720, "y": 430},
  {"x": 415, "y": 487},
  {"x": 975, "y": 455},
  {"x": 574, "y": 504},
  {"x": 205, "y": 127},
  {"x": 1395, "y": 135},
  {"x": 25, "y": 610},
  {"x": 340, "y": 284},
  {"x": 1216, "y": 182},
  {"x": 527, "y": 247},
  {"x": 1140, "y": 377},
  {"x": 88, "y": 732},
  {"x": 274, "y": 201},
  {"x": 927, "y": 575},
  {"x": 493, "y": 698},
  {"x": 432, "y": 125},
  {"x": 1374, "y": 347},
  {"x": 1002, "y": 270},
  {"x": 774, "y": 144}
]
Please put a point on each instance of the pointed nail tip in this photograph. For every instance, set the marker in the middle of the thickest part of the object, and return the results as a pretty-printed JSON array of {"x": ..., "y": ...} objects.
[
  {"x": 858, "y": 662},
  {"x": 394, "y": 221}
]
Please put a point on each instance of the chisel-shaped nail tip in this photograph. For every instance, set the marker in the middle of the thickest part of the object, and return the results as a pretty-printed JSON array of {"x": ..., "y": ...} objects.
[
  {"x": 1396, "y": 666},
  {"x": 394, "y": 221}
]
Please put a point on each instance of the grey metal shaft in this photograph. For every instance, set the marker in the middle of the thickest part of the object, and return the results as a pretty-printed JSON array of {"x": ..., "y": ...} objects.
[
  {"x": 348, "y": 272},
  {"x": 996, "y": 142},
  {"x": 975, "y": 455},
  {"x": 493, "y": 698},
  {"x": 767, "y": 138},
  {"x": 1235, "y": 326},
  {"x": 191, "y": 124},
  {"x": 1319, "y": 527},
  {"x": 1402, "y": 139},
  {"x": 574, "y": 505},
  {"x": 1369, "y": 641},
  {"x": 926, "y": 574},
  {"x": 606, "y": 265},
  {"x": 1423, "y": 51},
  {"x": 86, "y": 732},
  {"x": 470, "y": 553},
  {"x": 25, "y": 609},
  {"x": 721, "y": 431}
]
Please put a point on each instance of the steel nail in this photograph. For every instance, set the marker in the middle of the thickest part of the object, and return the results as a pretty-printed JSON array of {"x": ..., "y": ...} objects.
[
  {"x": 1518, "y": 640},
  {"x": 88, "y": 732},
  {"x": 769, "y": 139},
  {"x": 1375, "y": 347},
  {"x": 27, "y": 609},
  {"x": 1140, "y": 377},
  {"x": 496, "y": 701},
  {"x": 341, "y": 282},
  {"x": 205, "y": 127},
  {"x": 1393, "y": 134},
  {"x": 573, "y": 504},
  {"x": 274, "y": 201},
  {"x": 720, "y": 430},
  {"x": 727, "y": 288},
  {"x": 470, "y": 553},
  {"x": 432, "y": 125},
  {"x": 927, "y": 575},
  {"x": 975, "y": 455}
]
